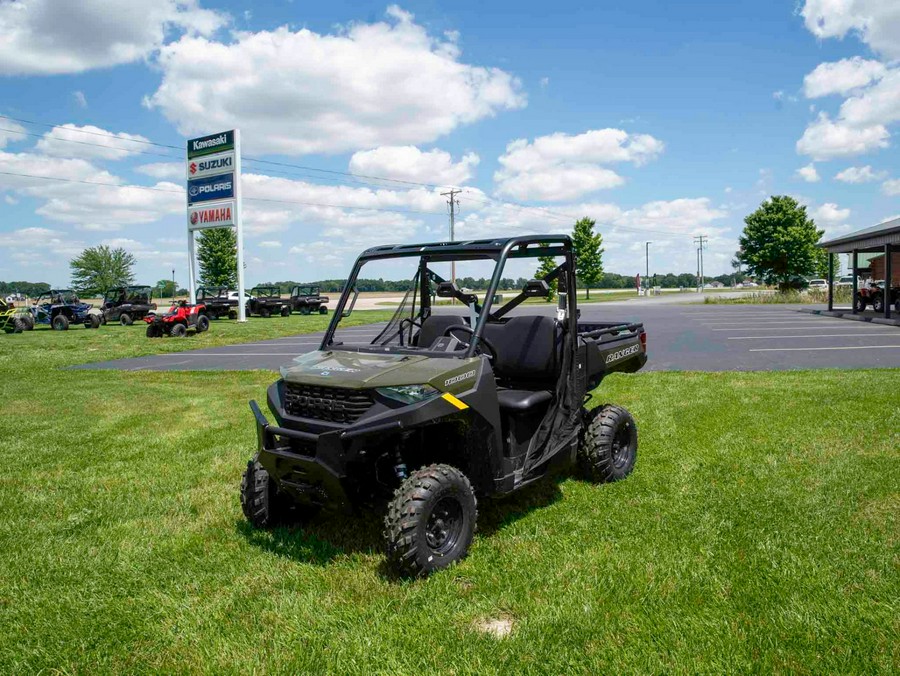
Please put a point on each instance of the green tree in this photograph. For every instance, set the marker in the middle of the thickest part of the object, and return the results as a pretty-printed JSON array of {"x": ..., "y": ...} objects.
[
  {"x": 547, "y": 264},
  {"x": 778, "y": 244},
  {"x": 588, "y": 246},
  {"x": 99, "y": 268},
  {"x": 217, "y": 255},
  {"x": 165, "y": 288}
]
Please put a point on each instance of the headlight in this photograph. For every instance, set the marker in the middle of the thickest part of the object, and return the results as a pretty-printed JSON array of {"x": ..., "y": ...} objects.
[{"x": 409, "y": 394}]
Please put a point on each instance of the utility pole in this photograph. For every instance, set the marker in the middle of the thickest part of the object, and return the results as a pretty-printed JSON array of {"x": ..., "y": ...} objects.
[
  {"x": 454, "y": 204},
  {"x": 174, "y": 287},
  {"x": 701, "y": 242},
  {"x": 647, "y": 257}
]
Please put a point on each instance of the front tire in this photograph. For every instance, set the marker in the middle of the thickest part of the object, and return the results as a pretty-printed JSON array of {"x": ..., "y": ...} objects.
[
  {"x": 232, "y": 314},
  {"x": 154, "y": 331},
  {"x": 125, "y": 319},
  {"x": 607, "y": 450},
  {"x": 93, "y": 322},
  {"x": 878, "y": 303},
  {"x": 860, "y": 303},
  {"x": 430, "y": 521},
  {"x": 178, "y": 331},
  {"x": 60, "y": 323},
  {"x": 202, "y": 323},
  {"x": 18, "y": 325},
  {"x": 261, "y": 502},
  {"x": 285, "y": 311},
  {"x": 323, "y": 310}
]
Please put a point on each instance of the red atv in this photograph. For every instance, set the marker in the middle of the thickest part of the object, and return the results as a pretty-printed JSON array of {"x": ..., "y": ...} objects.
[
  {"x": 872, "y": 294},
  {"x": 181, "y": 318}
]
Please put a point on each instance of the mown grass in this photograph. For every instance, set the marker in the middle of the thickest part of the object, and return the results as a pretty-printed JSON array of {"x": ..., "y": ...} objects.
[{"x": 759, "y": 533}]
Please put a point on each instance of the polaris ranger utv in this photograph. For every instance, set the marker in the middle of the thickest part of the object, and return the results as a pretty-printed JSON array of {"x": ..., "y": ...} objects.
[
  {"x": 308, "y": 300},
  {"x": 218, "y": 302},
  {"x": 266, "y": 301},
  {"x": 443, "y": 407},
  {"x": 125, "y": 304}
]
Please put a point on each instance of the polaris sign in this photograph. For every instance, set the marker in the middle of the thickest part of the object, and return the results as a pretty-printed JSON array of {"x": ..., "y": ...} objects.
[
  {"x": 210, "y": 165},
  {"x": 211, "y": 188}
]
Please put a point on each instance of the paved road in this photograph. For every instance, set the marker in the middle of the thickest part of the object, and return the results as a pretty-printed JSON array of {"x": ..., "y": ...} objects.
[{"x": 681, "y": 337}]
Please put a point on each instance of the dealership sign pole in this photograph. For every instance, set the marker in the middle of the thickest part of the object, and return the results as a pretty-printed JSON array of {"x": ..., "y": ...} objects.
[{"x": 214, "y": 198}]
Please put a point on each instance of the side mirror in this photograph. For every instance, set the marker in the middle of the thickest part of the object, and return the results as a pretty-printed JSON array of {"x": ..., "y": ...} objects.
[
  {"x": 348, "y": 310},
  {"x": 536, "y": 288}
]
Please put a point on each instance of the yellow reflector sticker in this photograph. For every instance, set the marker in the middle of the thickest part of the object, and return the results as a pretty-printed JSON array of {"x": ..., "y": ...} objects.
[{"x": 456, "y": 402}]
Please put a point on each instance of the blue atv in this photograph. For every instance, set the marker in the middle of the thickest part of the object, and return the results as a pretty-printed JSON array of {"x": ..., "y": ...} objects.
[{"x": 61, "y": 307}]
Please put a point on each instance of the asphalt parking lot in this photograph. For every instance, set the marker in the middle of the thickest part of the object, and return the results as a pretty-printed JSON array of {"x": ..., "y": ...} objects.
[{"x": 680, "y": 338}]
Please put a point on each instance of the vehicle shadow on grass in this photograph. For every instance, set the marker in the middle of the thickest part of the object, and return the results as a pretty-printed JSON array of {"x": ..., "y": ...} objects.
[{"x": 329, "y": 535}]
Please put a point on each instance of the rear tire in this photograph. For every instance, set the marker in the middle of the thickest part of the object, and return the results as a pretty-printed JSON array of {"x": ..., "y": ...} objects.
[
  {"x": 232, "y": 314},
  {"x": 202, "y": 323},
  {"x": 285, "y": 311},
  {"x": 878, "y": 303},
  {"x": 607, "y": 450},
  {"x": 430, "y": 521},
  {"x": 323, "y": 310},
  {"x": 154, "y": 331},
  {"x": 93, "y": 322},
  {"x": 860, "y": 303},
  {"x": 125, "y": 319},
  {"x": 28, "y": 320},
  {"x": 262, "y": 504},
  {"x": 178, "y": 331},
  {"x": 60, "y": 323},
  {"x": 18, "y": 325}
]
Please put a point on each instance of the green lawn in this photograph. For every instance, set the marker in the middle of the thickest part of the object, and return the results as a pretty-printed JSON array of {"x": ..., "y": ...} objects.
[{"x": 760, "y": 532}]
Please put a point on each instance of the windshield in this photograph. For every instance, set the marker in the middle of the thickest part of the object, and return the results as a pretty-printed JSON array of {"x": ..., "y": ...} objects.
[
  {"x": 266, "y": 292},
  {"x": 426, "y": 302},
  {"x": 63, "y": 297}
]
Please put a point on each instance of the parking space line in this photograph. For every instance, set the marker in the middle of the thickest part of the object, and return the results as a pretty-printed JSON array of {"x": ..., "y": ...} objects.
[
  {"x": 816, "y": 349},
  {"x": 862, "y": 334}
]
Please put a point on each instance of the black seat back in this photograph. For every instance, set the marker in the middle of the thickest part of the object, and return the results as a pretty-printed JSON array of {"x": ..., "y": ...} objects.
[
  {"x": 434, "y": 327},
  {"x": 527, "y": 350}
]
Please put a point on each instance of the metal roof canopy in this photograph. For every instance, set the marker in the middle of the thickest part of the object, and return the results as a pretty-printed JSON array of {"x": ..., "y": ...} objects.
[{"x": 866, "y": 240}]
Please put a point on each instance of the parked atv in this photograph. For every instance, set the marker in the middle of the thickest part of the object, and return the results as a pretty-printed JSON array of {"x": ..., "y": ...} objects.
[
  {"x": 125, "y": 304},
  {"x": 181, "y": 319},
  {"x": 13, "y": 319},
  {"x": 266, "y": 301},
  {"x": 307, "y": 300},
  {"x": 872, "y": 294},
  {"x": 61, "y": 307},
  {"x": 442, "y": 409},
  {"x": 219, "y": 302}
]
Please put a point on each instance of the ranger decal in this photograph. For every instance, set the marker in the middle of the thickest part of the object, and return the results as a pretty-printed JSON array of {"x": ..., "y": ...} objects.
[
  {"x": 621, "y": 354},
  {"x": 460, "y": 377}
]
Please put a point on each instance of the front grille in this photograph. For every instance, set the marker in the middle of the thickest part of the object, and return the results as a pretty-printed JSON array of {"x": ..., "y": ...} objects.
[{"x": 333, "y": 404}]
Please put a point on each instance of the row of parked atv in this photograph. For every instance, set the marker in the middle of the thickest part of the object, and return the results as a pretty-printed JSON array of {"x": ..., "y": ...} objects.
[{"x": 60, "y": 308}]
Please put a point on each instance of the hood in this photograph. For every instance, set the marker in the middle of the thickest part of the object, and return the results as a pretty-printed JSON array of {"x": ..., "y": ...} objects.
[{"x": 360, "y": 370}]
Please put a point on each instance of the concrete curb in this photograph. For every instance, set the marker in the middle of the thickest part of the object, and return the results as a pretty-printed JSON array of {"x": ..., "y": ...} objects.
[{"x": 848, "y": 314}]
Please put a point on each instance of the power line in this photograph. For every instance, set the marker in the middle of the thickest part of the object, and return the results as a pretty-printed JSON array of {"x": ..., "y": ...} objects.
[
  {"x": 252, "y": 199},
  {"x": 95, "y": 145},
  {"x": 85, "y": 131}
]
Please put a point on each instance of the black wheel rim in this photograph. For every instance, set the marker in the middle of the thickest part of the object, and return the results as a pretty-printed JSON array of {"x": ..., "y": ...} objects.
[
  {"x": 444, "y": 526},
  {"x": 621, "y": 446}
]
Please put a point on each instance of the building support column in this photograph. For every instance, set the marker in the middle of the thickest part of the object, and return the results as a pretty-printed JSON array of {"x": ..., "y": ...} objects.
[
  {"x": 888, "y": 278},
  {"x": 830, "y": 281},
  {"x": 855, "y": 289}
]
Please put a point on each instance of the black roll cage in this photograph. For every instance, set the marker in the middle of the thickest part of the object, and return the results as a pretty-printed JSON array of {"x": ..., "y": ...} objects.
[{"x": 499, "y": 250}]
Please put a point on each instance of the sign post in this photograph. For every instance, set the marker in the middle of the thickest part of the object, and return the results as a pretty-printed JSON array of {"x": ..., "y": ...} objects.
[{"x": 214, "y": 198}]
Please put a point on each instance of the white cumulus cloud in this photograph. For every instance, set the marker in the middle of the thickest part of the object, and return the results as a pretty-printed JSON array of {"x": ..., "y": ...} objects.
[
  {"x": 875, "y": 22},
  {"x": 891, "y": 187},
  {"x": 842, "y": 77},
  {"x": 830, "y": 214},
  {"x": 298, "y": 92},
  {"x": 71, "y": 140},
  {"x": 48, "y": 37},
  {"x": 859, "y": 175},
  {"x": 408, "y": 163},
  {"x": 825, "y": 139},
  {"x": 564, "y": 167},
  {"x": 809, "y": 173}
]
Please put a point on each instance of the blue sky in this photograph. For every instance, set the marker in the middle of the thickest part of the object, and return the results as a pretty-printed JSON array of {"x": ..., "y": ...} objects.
[{"x": 660, "y": 120}]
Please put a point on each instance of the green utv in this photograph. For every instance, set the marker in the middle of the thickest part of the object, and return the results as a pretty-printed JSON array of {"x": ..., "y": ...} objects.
[{"x": 443, "y": 405}]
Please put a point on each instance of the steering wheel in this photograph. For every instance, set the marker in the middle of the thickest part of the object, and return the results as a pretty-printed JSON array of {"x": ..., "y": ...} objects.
[{"x": 482, "y": 341}]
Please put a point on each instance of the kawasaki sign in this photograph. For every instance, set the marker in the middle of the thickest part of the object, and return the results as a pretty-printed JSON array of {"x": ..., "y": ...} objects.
[{"x": 214, "y": 143}]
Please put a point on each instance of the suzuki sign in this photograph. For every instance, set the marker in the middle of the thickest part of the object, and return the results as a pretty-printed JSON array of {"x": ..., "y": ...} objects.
[{"x": 210, "y": 165}]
